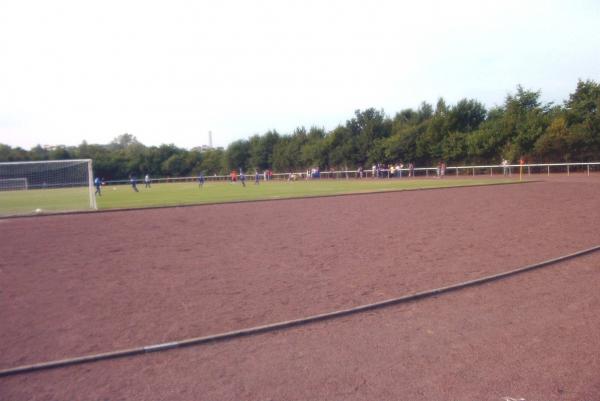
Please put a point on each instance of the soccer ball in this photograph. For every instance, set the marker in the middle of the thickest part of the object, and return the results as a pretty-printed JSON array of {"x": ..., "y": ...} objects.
[
  {"x": 38, "y": 210},
  {"x": 114, "y": 188}
]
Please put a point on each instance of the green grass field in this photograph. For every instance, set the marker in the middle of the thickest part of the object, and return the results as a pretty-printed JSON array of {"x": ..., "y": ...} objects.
[{"x": 172, "y": 194}]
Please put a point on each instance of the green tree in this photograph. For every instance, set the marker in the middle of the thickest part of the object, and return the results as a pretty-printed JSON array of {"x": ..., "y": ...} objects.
[
  {"x": 556, "y": 143},
  {"x": 460, "y": 133},
  {"x": 524, "y": 121},
  {"x": 238, "y": 155},
  {"x": 466, "y": 116},
  {"x": 487, "y": 143},
  {"x": 261, "y": 150},
  {"x": 454, "y": 147},
  {"x": 38, "y": 153},
  {"x": 583, "y": 120},
  {"x": 287, "y": 152},
  {"x": 342, "y": 149},
  {"x": 59, "y": 153},
  {"x": 123, "y": 141},
  {"x": 212, "y": 162},
  {"x": 407, "y": 127},
  {"x": 175, "y": 166},
  {"x": 429, "y": 145},
  {"x": 367, "y": 129},
  {"x": 314, "y": 152}
]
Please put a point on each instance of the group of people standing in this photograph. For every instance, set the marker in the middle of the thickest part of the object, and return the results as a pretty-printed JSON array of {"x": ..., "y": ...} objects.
[
  {"x": 314, "y": 172},
  {"x": 98, "y": 182},
  {"x": 378, "y": 171},
  {"x": 133, "y": 182},
  {"x": 234, "y": 176},
  {"x": 441, "y": 170},
  {"x": 393, "y": 170}
]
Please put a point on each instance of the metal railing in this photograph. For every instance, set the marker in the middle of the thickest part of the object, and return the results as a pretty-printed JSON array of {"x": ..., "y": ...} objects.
[{"x": 490, "y": 170}]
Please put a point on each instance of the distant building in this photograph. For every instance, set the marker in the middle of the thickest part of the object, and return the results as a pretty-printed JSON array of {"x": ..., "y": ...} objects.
[
  {"x": 206, "y": 148},
  {"x": 203, "y": 148}
]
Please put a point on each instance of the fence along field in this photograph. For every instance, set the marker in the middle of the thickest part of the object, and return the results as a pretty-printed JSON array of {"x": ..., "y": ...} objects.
[{"x": 59, "y": 186}]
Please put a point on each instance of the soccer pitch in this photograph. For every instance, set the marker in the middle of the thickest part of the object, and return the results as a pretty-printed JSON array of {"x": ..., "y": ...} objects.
[
  {"x": 189, "y": 193},
  {"x": 47, "y": 200}
]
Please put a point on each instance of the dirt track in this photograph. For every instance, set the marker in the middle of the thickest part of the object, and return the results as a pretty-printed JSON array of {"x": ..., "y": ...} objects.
[{"x": 95, "y": 283}]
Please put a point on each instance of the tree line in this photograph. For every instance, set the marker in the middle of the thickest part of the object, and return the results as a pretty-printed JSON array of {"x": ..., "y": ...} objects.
[{"x": 463, "y": 133}]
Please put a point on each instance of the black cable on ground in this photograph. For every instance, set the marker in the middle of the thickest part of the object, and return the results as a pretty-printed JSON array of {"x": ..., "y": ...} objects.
[{"x": 286, "y": 324}]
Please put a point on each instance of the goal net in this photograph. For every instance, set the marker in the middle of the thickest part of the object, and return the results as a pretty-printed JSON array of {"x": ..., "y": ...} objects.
[
  {"x": 13, "y": 184},
  {"x": 46, "y": 187}
]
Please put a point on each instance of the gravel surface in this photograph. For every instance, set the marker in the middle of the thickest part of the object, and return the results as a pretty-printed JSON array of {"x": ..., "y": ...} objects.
[{"x": 81, "y": 284}]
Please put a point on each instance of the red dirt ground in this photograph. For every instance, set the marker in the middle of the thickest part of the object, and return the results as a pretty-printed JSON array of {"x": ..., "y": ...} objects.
[{"x": 80, "y": 284}]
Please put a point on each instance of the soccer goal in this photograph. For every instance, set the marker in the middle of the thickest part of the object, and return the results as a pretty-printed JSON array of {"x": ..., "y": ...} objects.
[
  {"x": 13, "y": 184},
  {"x": 46, "y": 187}
]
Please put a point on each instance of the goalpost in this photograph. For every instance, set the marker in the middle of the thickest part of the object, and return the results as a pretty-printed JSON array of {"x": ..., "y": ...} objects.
[
  {"x": 46, "y": 186},
  {"x": 13, "y": 184}
]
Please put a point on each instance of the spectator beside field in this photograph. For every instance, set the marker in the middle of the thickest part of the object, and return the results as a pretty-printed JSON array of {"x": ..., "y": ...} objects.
[
  {"x": 133, "y": 182},
  {"x": 233, "y": 176},
  {"x": 98, "y": 184},
  {"x": 200, "y": 180},
  {"x": 147, "y": 181},
  {"x": 411, "y": 169},
  {"x": 504, "y": 167}
]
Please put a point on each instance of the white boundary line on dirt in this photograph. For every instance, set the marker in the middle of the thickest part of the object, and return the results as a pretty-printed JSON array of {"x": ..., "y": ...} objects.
[{"x": 285, "y": 324}]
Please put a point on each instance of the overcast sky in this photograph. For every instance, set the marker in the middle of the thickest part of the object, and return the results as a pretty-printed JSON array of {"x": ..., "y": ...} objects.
[{"x": 170, "y": 71}]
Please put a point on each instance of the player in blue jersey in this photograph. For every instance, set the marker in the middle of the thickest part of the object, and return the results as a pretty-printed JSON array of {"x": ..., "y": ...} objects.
[
  {"x": 242, "y": 178},
  {"x": 98, "y": 184},
  {"x": 133, "y": 182}
]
